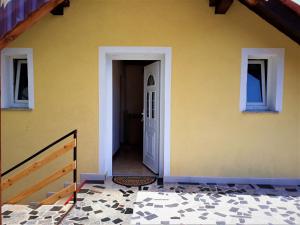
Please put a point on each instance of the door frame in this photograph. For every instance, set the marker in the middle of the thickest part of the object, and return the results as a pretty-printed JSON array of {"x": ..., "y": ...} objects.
[{"x": 106, "y": 55}]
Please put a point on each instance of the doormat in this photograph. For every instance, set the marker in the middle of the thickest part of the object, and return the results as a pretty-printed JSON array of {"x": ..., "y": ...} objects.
[{"x": 134, "y": 181}]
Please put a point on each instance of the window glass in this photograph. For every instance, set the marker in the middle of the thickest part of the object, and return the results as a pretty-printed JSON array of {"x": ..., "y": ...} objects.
[
  {"x": 20, "y": 80},
  {"x": 153, "y": 105},
  {"x": 254, "y": 83},
  {"x": 257, "y": 82},
  {"x": 147, "y": 104},
  {"x": 23, "y": 83}
]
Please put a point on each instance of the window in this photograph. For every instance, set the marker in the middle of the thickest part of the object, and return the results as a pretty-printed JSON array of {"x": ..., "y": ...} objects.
[
  {"x": 262, "y": 80},
  {"x": 256, "y": 83},
  {"x": 17, "y": 78}
]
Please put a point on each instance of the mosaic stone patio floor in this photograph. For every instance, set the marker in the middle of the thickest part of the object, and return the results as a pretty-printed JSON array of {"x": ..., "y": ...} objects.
[
  {"x": 24, "y": 214},
  {"x": 184, "y": 204}
]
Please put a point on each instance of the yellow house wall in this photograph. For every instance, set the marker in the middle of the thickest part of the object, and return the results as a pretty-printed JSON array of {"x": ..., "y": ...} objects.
[{"x": 209, "y": 135}]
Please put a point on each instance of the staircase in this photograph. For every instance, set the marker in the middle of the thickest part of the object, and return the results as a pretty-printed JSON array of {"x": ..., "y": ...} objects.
[{"x": 54, "y": 207}]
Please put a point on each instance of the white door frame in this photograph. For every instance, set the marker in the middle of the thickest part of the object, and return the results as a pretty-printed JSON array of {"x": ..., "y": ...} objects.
[{"x": 106, "y": 56}]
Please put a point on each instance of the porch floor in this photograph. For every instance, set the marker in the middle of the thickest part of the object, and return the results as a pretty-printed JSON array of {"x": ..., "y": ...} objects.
[
  {"x": 25, "y": 214},
  {"x": 110, "y": 203}
]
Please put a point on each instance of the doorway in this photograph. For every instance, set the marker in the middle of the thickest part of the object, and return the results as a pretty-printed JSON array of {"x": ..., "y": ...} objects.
[
  {"x": 106, "y": 57},
  {"x": 135, "y": 111}
]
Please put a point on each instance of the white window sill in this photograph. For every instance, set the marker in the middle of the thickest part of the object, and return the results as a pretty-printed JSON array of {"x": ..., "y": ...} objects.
[
  {"x": 16, "y": 109},
  {"x": 260, "y": 111}
]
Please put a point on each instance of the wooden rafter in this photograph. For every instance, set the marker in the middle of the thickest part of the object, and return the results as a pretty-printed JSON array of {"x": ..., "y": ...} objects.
[
  {"x": 28, "y": 22},
  {"x": 221, "y": 6},
  {"x": 277, "y": 13},
  {"x": 293, "y": 5},
  {"x": 59, "y": 10},
  {"x": 252, "y": 2}
]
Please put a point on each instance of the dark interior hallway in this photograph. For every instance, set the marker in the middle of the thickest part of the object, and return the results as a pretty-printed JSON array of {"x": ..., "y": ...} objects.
[
  {"x": 128, "y": 85},
  {"x": 129, "y": 161}
]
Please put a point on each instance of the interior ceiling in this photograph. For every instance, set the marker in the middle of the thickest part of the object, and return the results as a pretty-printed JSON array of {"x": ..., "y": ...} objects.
[{"x": 138, "y": 62}]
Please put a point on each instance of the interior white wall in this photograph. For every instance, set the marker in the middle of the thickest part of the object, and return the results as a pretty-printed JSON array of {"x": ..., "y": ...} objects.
[
  {"x": 134, "y": 88},
  {"x": 118, "y": 71}
]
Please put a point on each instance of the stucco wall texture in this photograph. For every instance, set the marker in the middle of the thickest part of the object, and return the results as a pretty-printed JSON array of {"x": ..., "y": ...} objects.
[{"x": 209, "y": 135}]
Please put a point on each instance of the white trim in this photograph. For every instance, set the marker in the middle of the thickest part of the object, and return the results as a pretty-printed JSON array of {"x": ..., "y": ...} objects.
[
  {"x": 232, "y": 180},
  {"x": 106, "y": 55},
  {"x": 7, "y": 56},
  {"x": 275, "y": 57}
]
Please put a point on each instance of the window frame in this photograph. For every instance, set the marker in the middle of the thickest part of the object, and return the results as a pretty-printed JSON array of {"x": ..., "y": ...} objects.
[
  {"x": 7, "y": 78},
  {"x": 263, "y": 104},
  {"x": 275, "y": 78}
]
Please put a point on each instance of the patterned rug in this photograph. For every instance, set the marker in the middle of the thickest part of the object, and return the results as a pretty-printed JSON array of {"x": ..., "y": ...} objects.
[{"x": 134, "y": 181}]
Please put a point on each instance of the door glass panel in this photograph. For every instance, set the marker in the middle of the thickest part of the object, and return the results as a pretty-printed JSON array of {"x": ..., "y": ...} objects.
[
  {"x": 150, "y": 81},
  {"x": 147, "y": 104},
  {"x": 153, "y": 105}
]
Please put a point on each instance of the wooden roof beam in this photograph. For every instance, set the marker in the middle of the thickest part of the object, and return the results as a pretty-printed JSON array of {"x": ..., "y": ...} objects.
[
  {"x": 277, "y": 13},
  {"x": 29, "y": 22},
  {"x": 221, "y": 6},
  {"x": 293, "y": 5},
  {"x": 59, "y": 10}
]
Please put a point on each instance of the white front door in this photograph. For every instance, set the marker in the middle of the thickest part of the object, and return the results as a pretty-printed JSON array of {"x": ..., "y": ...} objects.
[{"x": 151, "y": 116}]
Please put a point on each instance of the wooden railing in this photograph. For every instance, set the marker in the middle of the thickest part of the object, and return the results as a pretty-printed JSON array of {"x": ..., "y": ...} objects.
[{"x": 35, "y": 166}]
